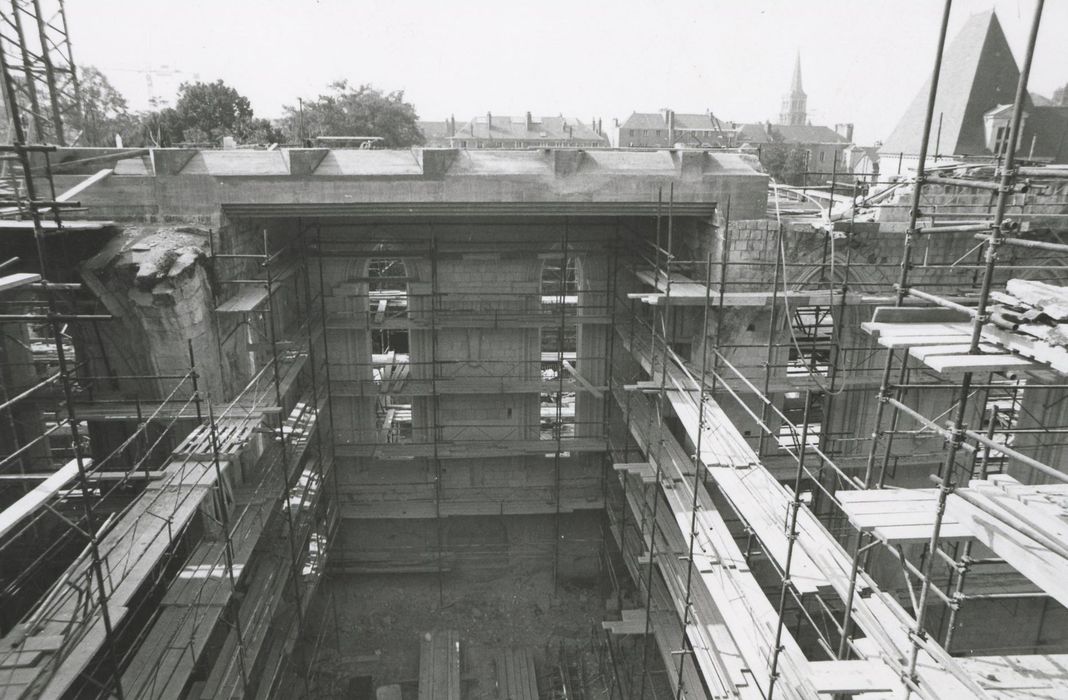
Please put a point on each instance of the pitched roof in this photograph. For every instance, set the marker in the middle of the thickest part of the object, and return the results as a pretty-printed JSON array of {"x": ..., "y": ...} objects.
[
  {"x": 645, "y": 120},
  {"x": 801, "y": 133},
  {"x": 978, "y": 73},
  {"x": 433, "y": 130},
  {"x": 1047, "y": 129},
  {"x": 657, "y": 120},
  {"x": 515, "y": 129}
]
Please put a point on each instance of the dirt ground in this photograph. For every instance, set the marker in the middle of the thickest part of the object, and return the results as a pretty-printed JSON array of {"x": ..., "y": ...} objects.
[{"x": 381, "y": 619}]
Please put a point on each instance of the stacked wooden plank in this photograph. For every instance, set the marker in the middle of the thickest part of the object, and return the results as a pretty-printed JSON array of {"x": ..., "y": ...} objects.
[
  {"x": 1031, "y": 318},
  {"x": 1027, "y": 526},
  {"x": 941, "y": 339},
  {"x": 514, "y": 674},
  {"x": 439, "y": 665},
  {"x": 898, "y": 516}
]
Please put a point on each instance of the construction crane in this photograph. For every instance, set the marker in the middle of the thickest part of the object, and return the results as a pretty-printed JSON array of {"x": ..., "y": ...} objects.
[{"x": 151, "y": 73}]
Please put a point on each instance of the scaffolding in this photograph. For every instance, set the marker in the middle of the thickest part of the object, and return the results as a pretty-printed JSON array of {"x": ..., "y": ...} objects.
[
  {"x": 825, "y": 525},
  {"x": 37, "y": 51},
  {"x": 159, "y": 512}
]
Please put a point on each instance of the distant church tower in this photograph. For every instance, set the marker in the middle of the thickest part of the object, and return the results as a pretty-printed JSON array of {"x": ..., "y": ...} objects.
[{"x": 794, "y": 105}]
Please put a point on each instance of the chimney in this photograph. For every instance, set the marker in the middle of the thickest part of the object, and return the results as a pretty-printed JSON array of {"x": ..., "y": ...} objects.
[
  {"x": 450, "y": 126},
  {"x": 671, "y": 127},
  {"x": 615, "y": 121},
  {"x": 845, "y": 131},
  {"x": 600, "y": 128},
  {"x": 530, "y": 122},
  {"x": 489, "y": 121}
]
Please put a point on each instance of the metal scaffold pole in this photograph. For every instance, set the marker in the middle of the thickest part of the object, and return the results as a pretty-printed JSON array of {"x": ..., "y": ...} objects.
[
  {"x": 948, "y": 477},
  {"x": 91, "y": 526},
  {"x": 281, "y": 436},
  {"x": 559, "y": 424},
  {"x": 663, "y": 312},
  {"x": 911, "y": 232},
  {"x": 698, "y": 476}
]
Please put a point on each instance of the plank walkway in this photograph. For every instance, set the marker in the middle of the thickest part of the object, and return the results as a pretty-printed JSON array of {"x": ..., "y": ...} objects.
[
  {"x": 763, "y": 504},
  {"x": 1027, "y": 526},
  {"x": 439, "y": 666},
  {"x": 515, "y": 676}
]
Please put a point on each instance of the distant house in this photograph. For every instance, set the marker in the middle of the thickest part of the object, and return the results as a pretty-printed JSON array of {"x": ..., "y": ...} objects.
[
  {"x": 864, "y": 163},
  {"x": 493, "y": 131},
  {"x": 436, "y": 134},
  {"x": 973, "y": 106},
  {"x": 826, "y": 149},
  {"x": 667, "y": 128}
]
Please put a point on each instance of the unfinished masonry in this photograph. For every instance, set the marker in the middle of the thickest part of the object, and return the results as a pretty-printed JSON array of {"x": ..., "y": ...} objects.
[{"x": 546, "y": 423}]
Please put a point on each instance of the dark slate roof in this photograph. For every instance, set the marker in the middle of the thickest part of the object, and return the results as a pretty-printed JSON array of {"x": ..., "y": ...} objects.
[
  {"x": 1047, "y": 129},
  {"x": 657, "y": 120},
  {"x": 802, "y": 133},
  {"x": 645, "y": 120},
  {"x": 978, "y": 74},
  {"x": 433, "y": 130}
]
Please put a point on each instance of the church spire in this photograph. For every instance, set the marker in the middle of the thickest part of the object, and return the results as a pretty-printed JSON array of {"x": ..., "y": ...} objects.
[
  {"x": 795, "y": 86},
  {"x": 794, "y": 105}
]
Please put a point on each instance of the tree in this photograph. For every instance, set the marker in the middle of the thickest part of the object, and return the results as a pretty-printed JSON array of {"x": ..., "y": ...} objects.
[
  {"x": 785, "y": 164},
  {"x": 103, "y": 113},
  {"x": 1060, "y": 96},
  {"x": 361, "y": 111},
  {"x": 207, "y": 112}
]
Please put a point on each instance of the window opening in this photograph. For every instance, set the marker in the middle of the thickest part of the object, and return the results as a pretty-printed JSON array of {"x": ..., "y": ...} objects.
[
  {"x": 387, "y": 297},
  {"x": 810, "y": 345}
]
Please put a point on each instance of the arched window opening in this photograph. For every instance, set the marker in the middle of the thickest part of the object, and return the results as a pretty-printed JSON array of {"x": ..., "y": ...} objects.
[{"x": 387, "y": 297}]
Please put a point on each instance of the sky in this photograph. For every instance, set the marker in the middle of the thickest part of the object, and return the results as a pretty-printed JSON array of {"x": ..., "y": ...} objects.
[{"x": 862, "y": 60}]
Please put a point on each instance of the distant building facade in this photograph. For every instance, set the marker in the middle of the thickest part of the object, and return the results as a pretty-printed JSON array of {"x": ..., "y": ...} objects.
[
  {"x": 826, "y": 149},
  {"x": 493, "y": 131},
  {"x": 666, "y": 129}
]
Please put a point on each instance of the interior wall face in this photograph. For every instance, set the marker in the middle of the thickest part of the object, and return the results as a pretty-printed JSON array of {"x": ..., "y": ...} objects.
[{"x": 475, "y": 314}]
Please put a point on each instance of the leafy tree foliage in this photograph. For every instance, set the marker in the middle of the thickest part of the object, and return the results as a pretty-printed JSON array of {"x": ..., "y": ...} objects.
[
  {"x": 205, "y": 113},
  {"x": 1060, "y": 96},
  {"x": 786, "y": 164},
  {"x": 355, "y": 111},
  {"x": 104, "y": 112}
]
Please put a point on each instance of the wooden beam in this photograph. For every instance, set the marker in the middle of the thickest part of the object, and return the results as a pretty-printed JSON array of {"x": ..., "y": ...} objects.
[
  {"x": 18, "y": 279},
  {"x": 32, "y": 501}
]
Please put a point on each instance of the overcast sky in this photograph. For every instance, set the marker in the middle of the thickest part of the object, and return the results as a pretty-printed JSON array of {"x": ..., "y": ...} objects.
[{"x": 863, "y": 60}]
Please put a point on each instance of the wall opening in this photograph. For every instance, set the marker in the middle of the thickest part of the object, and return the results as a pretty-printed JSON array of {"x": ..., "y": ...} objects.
[
  {"x": 387, "y": 299},
  {"x": 793, "y": 408},
  {"x": 810, "y": 348},
  {"x": 559, "y": 349}
]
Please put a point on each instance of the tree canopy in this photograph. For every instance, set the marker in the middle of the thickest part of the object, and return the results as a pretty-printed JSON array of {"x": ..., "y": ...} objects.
[
  {"x": 205, "y": 113},
  {"x": 785, "y": 164},
  {"x": 355, "y": 111},
  {"x": 103, "y": 113}
]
